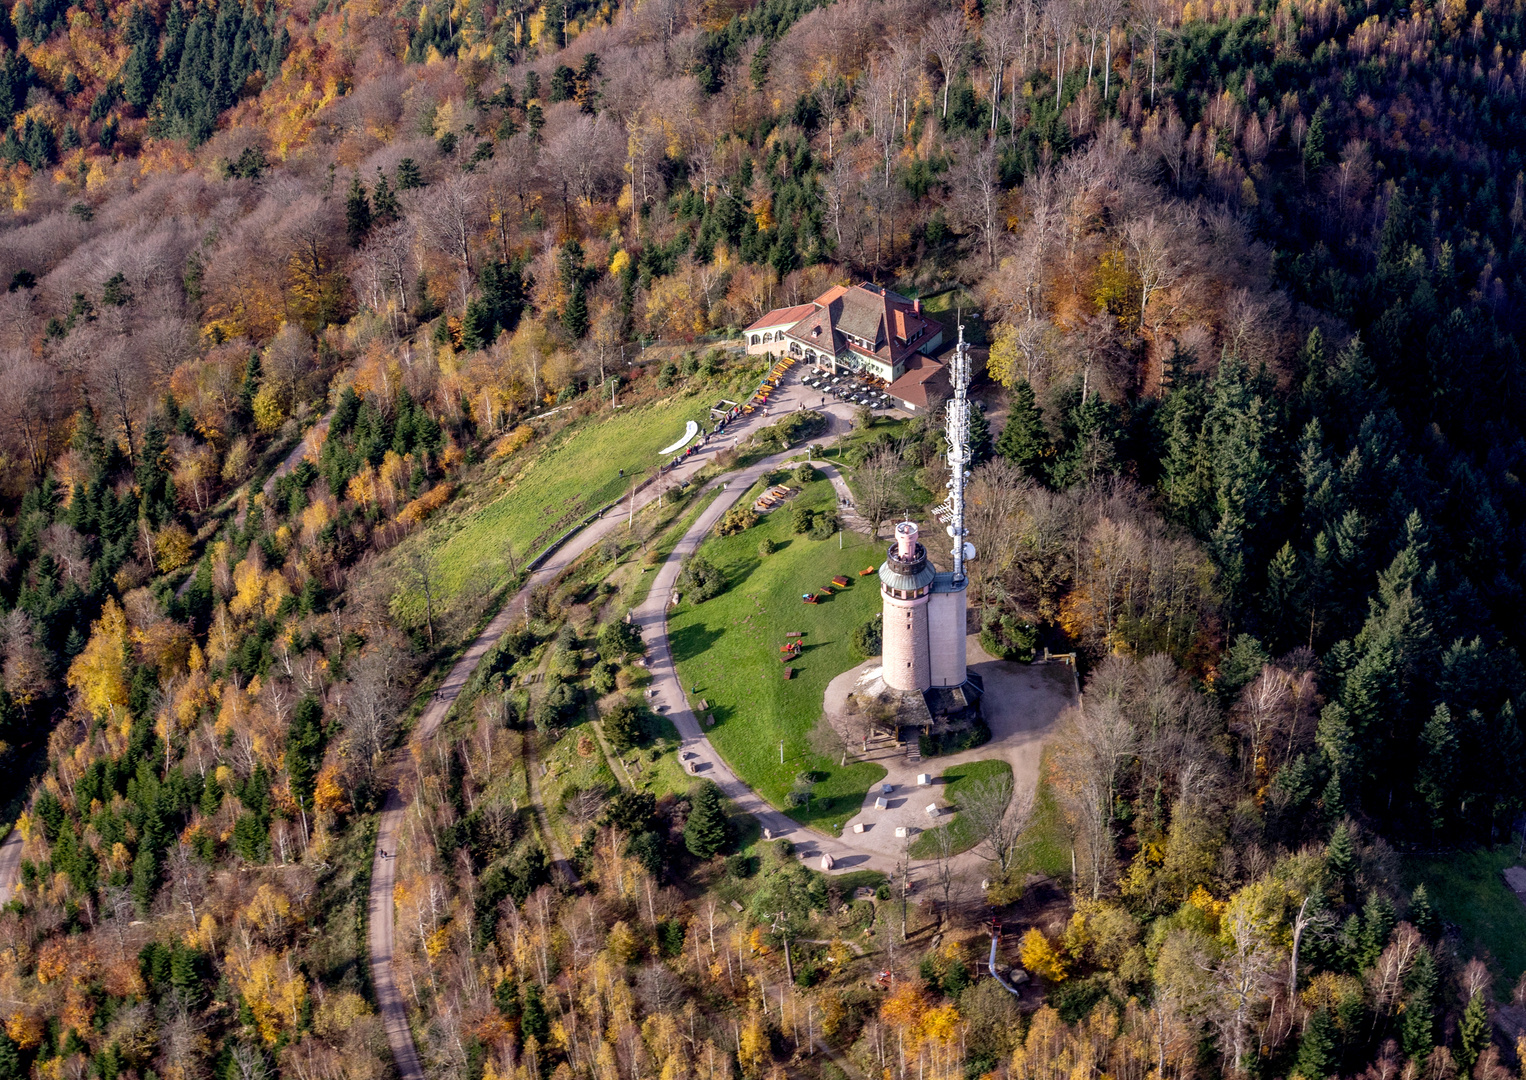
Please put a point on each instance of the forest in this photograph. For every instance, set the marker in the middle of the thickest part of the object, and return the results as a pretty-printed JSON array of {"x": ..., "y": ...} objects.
[{"x": 322, "y": 320}]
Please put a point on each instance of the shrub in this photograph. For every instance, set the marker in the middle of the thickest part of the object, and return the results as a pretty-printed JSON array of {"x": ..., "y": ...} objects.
[
  {"x": 767, "y": 547},
  {"x": 624, "y": 727},
  {"x": 801, "y": 519},
  {"x": 869, "y": 637},
  {"x": 666, "y": 375},
  {"x": 737, "y": 519},
  {"x": 1007, "y": 637},
  {"x": 741, "y": 866},
  {"x": 805, "y": 474},
  {"x": 602, "y": 677},
  {"x": 701, "y": 580},
  {"x": 823, "y": 525},
  {"x": 617, "y": 640}
]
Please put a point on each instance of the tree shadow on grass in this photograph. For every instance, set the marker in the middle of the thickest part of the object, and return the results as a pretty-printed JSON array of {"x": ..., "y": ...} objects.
[{"x": 690, "y": 641}]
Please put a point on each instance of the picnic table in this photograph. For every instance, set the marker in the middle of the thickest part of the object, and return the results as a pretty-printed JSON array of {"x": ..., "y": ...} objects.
[{"x": 840, "y": 581}]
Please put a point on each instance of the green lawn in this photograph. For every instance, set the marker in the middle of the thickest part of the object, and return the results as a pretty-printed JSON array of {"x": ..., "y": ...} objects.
[
  {"x": 959, "y": 779},
  {"x": 541, "y": 492},
  {"x": 1044, "y": 847},
  {"x": 1467, "y": 890},
  {"x": 728, "y": 647}
]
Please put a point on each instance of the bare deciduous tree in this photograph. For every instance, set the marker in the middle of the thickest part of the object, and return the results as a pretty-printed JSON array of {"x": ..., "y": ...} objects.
[
  {"x": 998, "y": 813},
  {"x": 876, "y": 483}
]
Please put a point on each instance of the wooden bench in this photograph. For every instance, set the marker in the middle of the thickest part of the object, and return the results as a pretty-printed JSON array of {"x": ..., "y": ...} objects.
[
  {"x": 794, "y": 633},
  {"x": 841, "y": 582},
  {"x": 789, "y": 673},
  {"x": 866, "y": 571}
]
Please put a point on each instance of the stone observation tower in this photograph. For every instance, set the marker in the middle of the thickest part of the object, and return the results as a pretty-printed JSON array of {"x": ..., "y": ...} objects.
[{"x": 924, "y": 614}]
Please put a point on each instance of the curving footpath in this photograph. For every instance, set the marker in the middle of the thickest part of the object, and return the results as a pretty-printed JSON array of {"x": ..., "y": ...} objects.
[
  {"x": 381, "y": 933},
  {"x": 668, "y": 695}
]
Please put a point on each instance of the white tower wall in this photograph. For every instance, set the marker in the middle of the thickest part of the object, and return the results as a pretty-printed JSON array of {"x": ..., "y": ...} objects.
[{"x": 946, "y": 633}]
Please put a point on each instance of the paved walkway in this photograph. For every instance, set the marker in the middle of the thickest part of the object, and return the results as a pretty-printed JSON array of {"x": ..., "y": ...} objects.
[
  {"x": 10, "y": 864},
  {"x": 384, "y": 864},
  {"x": 1021, "y": 706}
]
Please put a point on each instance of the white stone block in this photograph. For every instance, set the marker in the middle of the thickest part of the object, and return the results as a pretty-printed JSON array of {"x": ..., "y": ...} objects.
[
  {"x": 924, "y": 779},
  {"x": 882, "y": 803},
  {"x": 900, "y": 832},
  {"x": 932, "y": 809},
  {"x": 858, "y": 827},
  {"x": 886, "y": 789}
]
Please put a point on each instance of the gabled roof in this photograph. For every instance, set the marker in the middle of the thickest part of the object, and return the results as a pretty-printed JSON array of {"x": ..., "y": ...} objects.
[
  {"x": 784, "y": 316},
  {"x": 924, "y": 378}
]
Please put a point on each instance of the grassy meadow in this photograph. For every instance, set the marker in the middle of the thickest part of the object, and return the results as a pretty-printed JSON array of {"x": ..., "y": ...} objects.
[
  {"x": 524, "y": 500},
  {"x": 958, "y": 780},
  {"x": 1468, "y": 891},
  {"x": 727, "y": 653}
]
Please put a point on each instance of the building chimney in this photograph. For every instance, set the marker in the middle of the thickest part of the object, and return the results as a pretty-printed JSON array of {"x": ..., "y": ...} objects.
[
  {"x": 916, "y": 305},
  {"x": 906, "y": 540}
]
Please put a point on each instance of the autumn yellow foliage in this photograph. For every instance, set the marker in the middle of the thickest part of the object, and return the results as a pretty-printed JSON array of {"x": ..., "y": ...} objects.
[
  {"x": 1040, "y": 956},
  {"x": 99, "y": 673},
  {"x": 425, "y": 504}
]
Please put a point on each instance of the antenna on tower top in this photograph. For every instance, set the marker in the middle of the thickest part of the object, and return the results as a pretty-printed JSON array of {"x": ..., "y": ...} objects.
[{"x": 958, "y": 433}]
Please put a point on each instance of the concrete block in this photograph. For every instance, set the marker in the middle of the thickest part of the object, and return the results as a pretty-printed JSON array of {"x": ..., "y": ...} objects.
[
  {"x": 886, "y": 789},
  {"x": 900, "y": 832},
  {"x": 924, "y": 779},
  {"x": 932, "y": 809},
  {"x": 858, "y": 827},
  {"x": 882, "y": 803}
]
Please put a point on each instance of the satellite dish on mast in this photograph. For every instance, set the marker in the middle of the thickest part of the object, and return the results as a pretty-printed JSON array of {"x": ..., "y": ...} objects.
[{"x": 969, "y": 551}]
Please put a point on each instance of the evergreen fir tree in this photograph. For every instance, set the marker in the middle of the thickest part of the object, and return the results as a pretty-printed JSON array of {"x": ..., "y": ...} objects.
[
  {"x": 705, "y": 833},
  {"x": 1421, "y": 915},
  {"x": 10, "y": 1059},
  {"x": 533, "y": 1021},
  {"x": 1024, "y": 441},
  {"x": 1340, "y": 853},
  {"x": 408, "y": 175},
  {"x": 1317, "y": 1058},
  {"x": 980, "y": 435},
  {"x": 357, "y": 214},
  {"x": 1417, "y": 1031},
  {"x": 575, "y": 314},
  {"x": 385, "y": 208},
  {"x": 1473, "y": 1032}
]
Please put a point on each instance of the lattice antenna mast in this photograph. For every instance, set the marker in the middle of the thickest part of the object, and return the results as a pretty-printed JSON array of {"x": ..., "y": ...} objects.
[{"x": 958, "y": 433}]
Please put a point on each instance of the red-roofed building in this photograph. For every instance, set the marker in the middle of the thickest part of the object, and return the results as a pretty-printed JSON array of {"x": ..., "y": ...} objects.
[
  {"x": 863, "y": 328},
  {"x": 922, "y": 385}
]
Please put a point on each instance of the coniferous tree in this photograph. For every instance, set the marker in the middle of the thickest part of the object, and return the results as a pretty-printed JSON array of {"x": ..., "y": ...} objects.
[
  {"x": 705, "y": 832},
  {"x": 1024, "y": 441},
  {"x": 1473, "y": 1031},
  {"x": 408, "y": 175},
  {"x": 357, "y": 214},
  {"x": 1317, "y": 1057},
  {"x": 1417, "y": 1031}
]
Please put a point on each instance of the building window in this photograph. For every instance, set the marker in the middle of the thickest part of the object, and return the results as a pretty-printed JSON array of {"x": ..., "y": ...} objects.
[{"x": 755, "y": 339}]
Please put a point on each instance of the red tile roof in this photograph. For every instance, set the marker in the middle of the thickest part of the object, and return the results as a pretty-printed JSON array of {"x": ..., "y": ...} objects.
[{"x": 924, "y": 378}]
